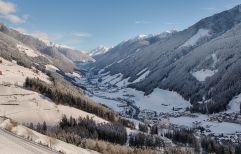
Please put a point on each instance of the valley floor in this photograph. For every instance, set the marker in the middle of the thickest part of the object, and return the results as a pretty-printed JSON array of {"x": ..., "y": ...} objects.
[{"x": 160, "y": 106}]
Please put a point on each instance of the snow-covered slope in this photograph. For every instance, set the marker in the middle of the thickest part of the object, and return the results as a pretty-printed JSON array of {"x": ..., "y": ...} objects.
[
  {"x": 18, "y": 103},
  {"x": 98, "y": 51},
  {"x": 203, "y": 74},
  {"x": 195, "y": 38},
  {"x": 30, "y": 52},
  {"x": 15, "y": 74},
  {"x": 234, "y": 105},
  {"x": 200, "y": 62},
  {"x": 11, "y": 144}
]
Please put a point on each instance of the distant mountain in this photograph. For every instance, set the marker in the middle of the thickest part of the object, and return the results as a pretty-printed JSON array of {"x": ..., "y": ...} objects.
[
  {"x": 201, "y": 63},
  {"x": 95, "y": 53},
  {"x": 75, "y": 55},
  {"x": 61, "y": 56}
]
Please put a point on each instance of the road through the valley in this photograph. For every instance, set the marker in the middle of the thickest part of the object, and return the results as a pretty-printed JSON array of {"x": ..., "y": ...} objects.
[{"x": 12, "y": 144}]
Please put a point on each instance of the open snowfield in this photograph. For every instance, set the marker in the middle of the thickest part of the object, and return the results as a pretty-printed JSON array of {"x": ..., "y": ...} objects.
[
  {"x": 234, "y": 105},
  {"x": 215, "y": 127},
  {"x": 13, "y": 73},
  {"x": 30, "y": 52},
  {"x": 195, "y": 38},
  {"x": 159, "y": 100},
  {"x": 203, "y": 74},
  {"x": 13, "y": 144},
  {"x": 142, "y": 77},
  {"x": 26, "y": 106},
  {"x": 18, "y": 104},
  {"x": 51, "y": 68}
]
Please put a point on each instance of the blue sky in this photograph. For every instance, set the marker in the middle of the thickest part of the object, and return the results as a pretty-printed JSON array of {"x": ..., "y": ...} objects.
[{"x": 86, "y": 24}]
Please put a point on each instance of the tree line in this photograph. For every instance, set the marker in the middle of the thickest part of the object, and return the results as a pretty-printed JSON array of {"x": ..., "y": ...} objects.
[
  {"x": 88, "y": 128},
  {"x": 59, "y": 96},
  {"x": 212, "y": 146},
  {"x": 141, "y": 140}
]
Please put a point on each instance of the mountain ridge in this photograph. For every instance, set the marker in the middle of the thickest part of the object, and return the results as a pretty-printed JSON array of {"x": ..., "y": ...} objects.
[{"x": 173, "y": 59}]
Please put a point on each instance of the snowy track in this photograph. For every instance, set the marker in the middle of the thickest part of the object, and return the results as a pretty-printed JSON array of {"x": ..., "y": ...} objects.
[{"x": 12, "y": 144}]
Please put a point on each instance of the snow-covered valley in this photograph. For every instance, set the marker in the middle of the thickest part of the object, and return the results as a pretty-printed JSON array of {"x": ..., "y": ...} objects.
[{"x": 158, "y": 106}]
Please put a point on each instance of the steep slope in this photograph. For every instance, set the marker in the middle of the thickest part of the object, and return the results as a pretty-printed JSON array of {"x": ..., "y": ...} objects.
[
  {"x": 195, "y": 62},
  {"x": 18, "y": 103},
  {"x": 75, "y": 55},
  {"x": 60, "y": 56}
]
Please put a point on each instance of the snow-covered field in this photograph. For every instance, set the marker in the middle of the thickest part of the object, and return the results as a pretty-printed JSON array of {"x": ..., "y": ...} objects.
[
  {"x": 203, "y": 74},
  {"x": 162, "y": 101},
  {"x": 18, "y": 103},
  {"x": 143, "y": 76},
  {"x": 11, "y": 144},
  {"x": 234, "y": 105},
  {"x": 51, "y": 68},
  {"x": 159, "y": 100},
  {"x": 30, "y": 52},
  {"x": 195, "y": 38},
  {"x": 203, "y": 120},
  {"x": 104, "y": 92},
  {"x": 15, "y": 74}
]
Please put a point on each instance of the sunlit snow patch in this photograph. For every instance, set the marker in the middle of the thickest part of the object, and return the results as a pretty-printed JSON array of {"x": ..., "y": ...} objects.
[
  {"x": 123, "y": 83},
  {"x": 234, "y": 104},
  {"x": 160, "y": 100},
  {"x": 194, "y": 39},
  {"x": 203, "y": 74},
  {"x": 30, "y": 52},
  {"x": 51, "y": 68},
  {"x": 216, "y": 128},
  {"x": 143, "y": 76}
]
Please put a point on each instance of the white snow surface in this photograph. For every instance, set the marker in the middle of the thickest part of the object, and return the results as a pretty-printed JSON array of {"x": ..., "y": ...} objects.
[
  {"x": 234, "y": 105},
  {"x": 18, "y": 103},
  {"x": 195, "y": 38},
  {"x": 98, "y": 51},
  {"x": 51, "y": 68},
  {"x": 15, "y": 74},
  {"x": 112, "y": 79},
  {"x": 215, "y": 59},
  {"x": 36, "y": 137},
  {"x": 215, "y": 127},
  {"x": 73, "y": 75},
  {"x": 142, "y": 77},
  {"x": 30, "y": 52},
  {"x": 120, "y": 60},
  {"x": 123, "y": 83},
  {"x": 203, "y": 74},
  {"x": 142, "y": 71},
  {"x": 159, "y": 100}
]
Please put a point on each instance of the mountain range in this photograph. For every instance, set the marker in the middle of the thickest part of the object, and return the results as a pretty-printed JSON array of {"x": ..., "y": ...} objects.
[
  {"x": 202, "y": 62},
  {"x": 16, "y": 45}
]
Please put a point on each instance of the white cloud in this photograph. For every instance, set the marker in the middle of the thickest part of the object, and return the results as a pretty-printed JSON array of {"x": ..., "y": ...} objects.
[
  {"x": 8, "y": 12},
  {"x": 142, "y": 22},
  {"x": 82, "y": 34},
  {"x": 7, "y": 7},
  {"x": 14, "y": 19}
]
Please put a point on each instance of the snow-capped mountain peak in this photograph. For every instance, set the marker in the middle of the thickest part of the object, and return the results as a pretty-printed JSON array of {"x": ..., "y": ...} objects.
[{"x": 99, "y": 50}]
